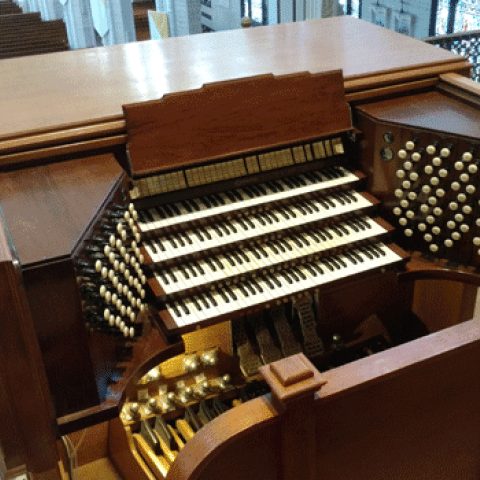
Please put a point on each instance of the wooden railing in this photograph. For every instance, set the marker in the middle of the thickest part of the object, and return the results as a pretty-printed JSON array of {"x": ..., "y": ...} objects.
[{"x": 466, "y": 44}]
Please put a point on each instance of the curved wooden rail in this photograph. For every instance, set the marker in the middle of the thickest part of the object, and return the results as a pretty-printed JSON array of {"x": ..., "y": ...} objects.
[
  {"x": 420, "y": 268},
  {"x": 244, "y": 421}
]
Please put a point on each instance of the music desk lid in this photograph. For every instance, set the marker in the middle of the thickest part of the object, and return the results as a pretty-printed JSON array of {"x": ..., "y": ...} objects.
[{"x": 234, "y": 118}]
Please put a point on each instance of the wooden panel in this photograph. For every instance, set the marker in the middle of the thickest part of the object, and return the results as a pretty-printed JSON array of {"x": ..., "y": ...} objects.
[
  {"x": 48, "y": 208},
  {"x": 74, "y": 88},
  {"x": 246, "y": 438},
  {"x": 422, "y": 111},
  {"x": 234, "y": 118},
  {"x": 52, "y": 293},
  {"x": 410, "y": 413},
  {"x": 27, "y": 434}
]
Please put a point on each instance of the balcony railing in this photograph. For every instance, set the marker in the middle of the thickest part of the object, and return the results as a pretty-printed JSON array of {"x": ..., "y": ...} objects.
[{"x": 466, "y": 44}]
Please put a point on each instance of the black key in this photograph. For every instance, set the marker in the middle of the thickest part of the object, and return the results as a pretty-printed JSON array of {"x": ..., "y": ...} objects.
[
  {"x": 296, "y": 241},
  {"x": 274, "y": 248},
  {"x": 197, "y": 305},
  {"x": 288, "y": 183},
  {"x": 206, "y": 202},
  {"x": 217, "y": 230},
  {"x": 283, "y": 212},
  {"x": 219, "y": 263},
  {"x": 351, "y": 258},
  {"x": 192, "y": 270},
  {"x": 179, "y": 239},
  {"x": 242, "y": 223},
  {"x": 261, "y": 189},
  {"x": 187, "y": 206},
  {"x": 301, "y": 208},
  {"x": 293, "y": 274},
  {"x": 154, "y": 246},
  {"x": 268, "y": 282},
  {"x": 316, "y": 267},
  {"x": 249, "y": 192},
  {"x": 176, "y": 310},
  {"x": 249, "y": 222},
  {"x": 160, "y": 212},
  {"x": 219, "y": 198},
  {"x": 286, "y": 276},
  {"x": 313, "y": 206},
  {"x": 242, "y": 254},
  {"x": 222, "y": 294},
  {"x": 249, "y": 287},
  {"x": 372, "y": 251},
  {"x": 299, "y": 272},
  {"x": 295, "y": 181},
  {"x": 229, "y": 259},
  {"x": 254, "y": 251},
  {"x": 199, "y": 235},
  {"x": 168, "y": 210},
  {"x": 224, "y": 227},
  {"x": 232, "y": 293},
  {"x": 262, "y": 251},
  {"x": 257, "y": 286},
  {"x": 327, "y": 264},
  {"x": 367, "y": 253},
  {"x": 310, "y": 269},
  {"x": 230, "y": 196},
  {"x": 274, "y": 279},
  {"x": 203, "y": 300},
  {"x": 199, "y": 268},
  {"x": 232, "y": 227},
  {"x": 187, "y": 238},
  {"x": 304, "y": 240},
  {"x": 174, "y": 278},
  {"x": 352, "y": 197},
  {"x": 237, "y": 257},
  {"x": 339, "y": 199},
  {"x": 327, "y": 233},
  {"x": 164, "y": 278},
  {"x": 147, "y": 214},
  {"x": 286, "y": 244},
  {"x": 260, "y": 219},
  {"x": 211, "y": 299},
  {"x": 353, "y": 226},
  {"x": 340, "y": 260},
  {"x": 213, "y": 200},
  {"x": 379, "y": 250},
  {"x": 280, "y": 246},
  {"x": 172, "y": 241},
  {"x": 184, "y": 271},
  {"x": 175, "y": 209},
  {"x": 301, "y": 180},
  {"x": 266, "y": 217},
  {"x": 314, "y": 236},
  {"x": 278, "y": 185},
  {"x": 243, "y": 289},
  {"x": 272, "y": 187},
  {"x": 211, "y": 265},
  {"x": 195, "y": 205}
]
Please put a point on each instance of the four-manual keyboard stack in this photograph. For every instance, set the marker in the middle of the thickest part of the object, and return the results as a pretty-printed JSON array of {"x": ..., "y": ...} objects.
[
  {"x": 250, "y": 212},
  {"x": 222, "y": 255}
]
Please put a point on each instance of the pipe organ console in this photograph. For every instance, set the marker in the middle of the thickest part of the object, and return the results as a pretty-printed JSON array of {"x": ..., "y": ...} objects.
[{"x": 230, "y": 292}]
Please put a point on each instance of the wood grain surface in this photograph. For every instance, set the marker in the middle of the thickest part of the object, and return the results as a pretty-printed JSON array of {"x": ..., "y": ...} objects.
[
  {"x": 234, "y": 118},
  {"x": 27, "y": 433},
  {"x": 48, "y": 208},
  {"x": 49, "y": 92}
]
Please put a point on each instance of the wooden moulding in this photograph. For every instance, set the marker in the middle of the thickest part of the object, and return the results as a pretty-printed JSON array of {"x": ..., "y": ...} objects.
[
  {"x": 421, "y": 268},
  {"x": 234, "y": 118},
  {"x": 292, "y": 377},
  {"x": 27, "y": 435}
]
